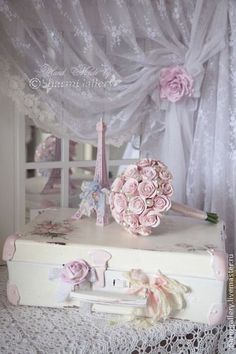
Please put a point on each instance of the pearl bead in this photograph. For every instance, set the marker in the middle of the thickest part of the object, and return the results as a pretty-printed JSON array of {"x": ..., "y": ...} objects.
[{"x": 149, "y": 202}]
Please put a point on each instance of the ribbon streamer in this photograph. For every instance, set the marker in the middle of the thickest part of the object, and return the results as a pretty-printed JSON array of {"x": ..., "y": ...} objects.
[{"x": 164, "y": 295}]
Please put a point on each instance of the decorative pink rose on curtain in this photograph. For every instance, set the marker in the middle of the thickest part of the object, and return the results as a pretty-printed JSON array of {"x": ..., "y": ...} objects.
[
  {"x": 140, "y": 195},
  {"x": 175, "y": 83}
]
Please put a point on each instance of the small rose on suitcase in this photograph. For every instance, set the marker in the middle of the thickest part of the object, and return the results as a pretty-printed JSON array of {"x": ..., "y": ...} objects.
[{"x": 75, "y": 272}]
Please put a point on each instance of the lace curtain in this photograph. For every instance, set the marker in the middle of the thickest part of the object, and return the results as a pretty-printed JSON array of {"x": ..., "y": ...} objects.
[{"x": 69, "y": 62}]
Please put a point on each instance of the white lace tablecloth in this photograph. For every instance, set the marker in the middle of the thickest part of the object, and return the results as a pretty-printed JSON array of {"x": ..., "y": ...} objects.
[{"x": 41, "y": 330}]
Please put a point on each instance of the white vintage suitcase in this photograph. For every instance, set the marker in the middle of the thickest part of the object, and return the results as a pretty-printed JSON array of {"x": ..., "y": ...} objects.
[{"x": 180, "y": 271}]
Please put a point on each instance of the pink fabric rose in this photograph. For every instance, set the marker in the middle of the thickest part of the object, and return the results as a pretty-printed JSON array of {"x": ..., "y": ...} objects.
[
  {"x": 149, "y": 172},
  {"x": 131, "y": 220},
  {"x": 111, "y": 200},
  {"x": 75, "y": 272},
  {"x": 117, "y": 184},
  {"x": 137, "y": 205},
  {"x": 167, "y": 189},
  {"x": 160, "y": 165},
  {"x": 147, "y": 189},
  {"x": 119, "y": 217},
  {"x": 140, "y": 230},
  {"x": 149, "y": 219},
  {"x": 120, "y": 202},
  {"x": 144, "y": 231},
  {"x": 161, "y": 203},
  {"x": 130, "y": 186},
  {"x": 144, "y": 163},
  {"x": 165, "y": 175},
  {"x": 175, "y": 83},
  {"x": 132, "y": 172}
]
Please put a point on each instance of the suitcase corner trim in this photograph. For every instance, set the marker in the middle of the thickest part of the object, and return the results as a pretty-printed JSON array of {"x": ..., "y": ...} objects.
[
  {"x": 217, "y": 314},
  {"x": 9, "y": 247},
  {"x": 219, "y": 263},
  {"x": 13, "y": 294}
]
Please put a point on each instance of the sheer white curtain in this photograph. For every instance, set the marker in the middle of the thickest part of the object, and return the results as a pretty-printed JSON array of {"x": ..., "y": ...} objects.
[
  {"x": 75, "y": 60},
  {"x": 211, "y": 182}
]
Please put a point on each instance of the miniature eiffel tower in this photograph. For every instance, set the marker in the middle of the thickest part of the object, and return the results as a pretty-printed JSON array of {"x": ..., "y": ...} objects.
[
  {"x": 93, "y": 196},
  {"x": 101, "y": 175}
]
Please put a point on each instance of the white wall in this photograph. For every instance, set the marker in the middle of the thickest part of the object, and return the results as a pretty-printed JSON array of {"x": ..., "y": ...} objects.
[{"x": 7, "y": 168}]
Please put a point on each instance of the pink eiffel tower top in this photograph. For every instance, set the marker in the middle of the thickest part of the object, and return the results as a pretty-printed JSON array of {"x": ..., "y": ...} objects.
[{"x": 101, "y": 174}]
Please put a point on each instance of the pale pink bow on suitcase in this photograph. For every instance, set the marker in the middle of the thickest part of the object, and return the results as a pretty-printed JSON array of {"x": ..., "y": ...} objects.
[{"x": 164, "y": 295}]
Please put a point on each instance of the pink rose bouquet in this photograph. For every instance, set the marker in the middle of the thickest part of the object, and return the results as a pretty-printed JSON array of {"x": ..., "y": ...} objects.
[{"x": 140, "y": 195}]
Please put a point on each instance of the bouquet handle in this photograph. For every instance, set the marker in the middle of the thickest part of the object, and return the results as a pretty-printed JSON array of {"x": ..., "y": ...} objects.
[{"x": 193, "y": 213}]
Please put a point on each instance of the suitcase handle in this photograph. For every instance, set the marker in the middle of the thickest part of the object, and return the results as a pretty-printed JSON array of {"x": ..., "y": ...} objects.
[{"x": 109, "y": 298}]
